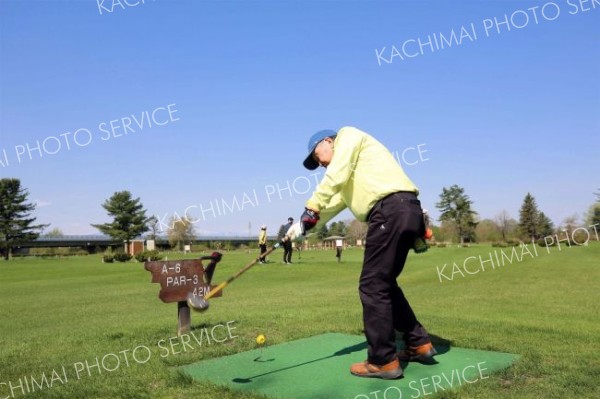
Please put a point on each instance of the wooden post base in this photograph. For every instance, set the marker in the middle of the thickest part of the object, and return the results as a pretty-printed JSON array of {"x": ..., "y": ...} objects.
[{"x": 184, "y": 324}]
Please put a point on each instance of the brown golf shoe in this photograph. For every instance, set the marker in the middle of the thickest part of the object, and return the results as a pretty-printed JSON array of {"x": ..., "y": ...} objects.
[
  {"x": 422, "y": 353},
  {"x": 389, "y": 371}
]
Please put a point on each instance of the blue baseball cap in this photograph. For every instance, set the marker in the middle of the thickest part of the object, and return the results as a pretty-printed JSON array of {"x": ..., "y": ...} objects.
[{"x": 309, "y": 162}]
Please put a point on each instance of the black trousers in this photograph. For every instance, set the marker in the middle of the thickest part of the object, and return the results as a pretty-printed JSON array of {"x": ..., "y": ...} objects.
[
  {"x": 287, "y": 252},
  {"x": 394, "y": 223},
  {"x": 263, "y": 249}
]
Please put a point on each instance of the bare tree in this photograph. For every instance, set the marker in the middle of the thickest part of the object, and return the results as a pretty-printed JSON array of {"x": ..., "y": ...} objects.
[
  {"x": 570, "y": 223},
  {"x": 180, "y": 232},
  {"x": 503, "y": 221},
  {"x": 487, "y": 231},
  {"x": 356, "y": 230},
  {"x": 54, "y": 233},
  {"x": 153, "y": 226}
]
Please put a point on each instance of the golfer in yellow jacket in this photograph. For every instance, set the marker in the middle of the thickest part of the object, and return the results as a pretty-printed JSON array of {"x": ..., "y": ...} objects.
[
  {"x": 262, "y": 243},
  {"x": 362, "y": 175}
]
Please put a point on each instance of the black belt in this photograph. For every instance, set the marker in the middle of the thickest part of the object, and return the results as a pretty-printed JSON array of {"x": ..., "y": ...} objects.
[{"x": 414, "y": 200}]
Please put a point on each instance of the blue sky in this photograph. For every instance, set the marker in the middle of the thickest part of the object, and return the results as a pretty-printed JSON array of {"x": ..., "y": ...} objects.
[{"x": 500, "y": 114}]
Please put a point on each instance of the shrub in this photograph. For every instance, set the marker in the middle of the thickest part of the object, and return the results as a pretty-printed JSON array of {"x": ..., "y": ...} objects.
[
  {"x": 580, "y": 238},
  {"x": 441, "y": 245},
  {"x": 200, "y": 248},
  {"x": 122, "y": 257},
  {"x": 148, "y": 256},
  {"x": 108, "y": 258},
  {"x": 57, "y": 251},
  {"x": 562, "y": 241},
  {"x": 507, "y": 243}
]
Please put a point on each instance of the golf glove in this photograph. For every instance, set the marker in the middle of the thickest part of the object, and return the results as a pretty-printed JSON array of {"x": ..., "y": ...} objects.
[
  {"x": 308, "y": 220},
  {"x": 294, "y": 232}
]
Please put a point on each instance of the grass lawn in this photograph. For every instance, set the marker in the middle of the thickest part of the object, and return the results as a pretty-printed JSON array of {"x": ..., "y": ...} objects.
[{"x": 61, "y": 315}]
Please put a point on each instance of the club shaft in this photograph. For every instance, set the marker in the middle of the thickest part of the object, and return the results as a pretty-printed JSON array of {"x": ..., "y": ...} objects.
[{"x": 224, "y": 284}]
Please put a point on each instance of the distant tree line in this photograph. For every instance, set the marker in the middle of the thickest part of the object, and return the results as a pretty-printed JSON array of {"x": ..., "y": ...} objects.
[{"x": 458, "y": 221}]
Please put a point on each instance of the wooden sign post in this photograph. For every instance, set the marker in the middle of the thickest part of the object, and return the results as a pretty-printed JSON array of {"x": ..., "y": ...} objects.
[{"x": 180, "y": 279}]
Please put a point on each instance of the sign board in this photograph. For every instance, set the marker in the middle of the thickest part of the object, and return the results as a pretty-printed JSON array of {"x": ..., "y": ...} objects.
[{"x": 179, "y": 278}]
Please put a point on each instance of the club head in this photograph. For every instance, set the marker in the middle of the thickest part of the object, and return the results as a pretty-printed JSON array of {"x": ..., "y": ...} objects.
[{"x": 197, "y": 303}]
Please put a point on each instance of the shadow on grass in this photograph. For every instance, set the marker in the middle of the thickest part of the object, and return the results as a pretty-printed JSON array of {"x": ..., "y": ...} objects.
[
  {"x": 441, "y": 345},
  {"x": 342, "y": 352},
  {"x": 202, "y": 326}
]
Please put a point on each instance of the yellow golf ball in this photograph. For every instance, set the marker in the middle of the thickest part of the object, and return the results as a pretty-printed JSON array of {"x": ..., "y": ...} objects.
[{"x": 260, "y": 339}]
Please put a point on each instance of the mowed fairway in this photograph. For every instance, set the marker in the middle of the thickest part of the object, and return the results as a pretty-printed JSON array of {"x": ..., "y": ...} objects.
[{"x": 60, "y": 313}]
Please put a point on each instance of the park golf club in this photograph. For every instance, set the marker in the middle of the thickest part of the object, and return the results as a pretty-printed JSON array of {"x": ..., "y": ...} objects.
[{"x": 200, "y": 303}]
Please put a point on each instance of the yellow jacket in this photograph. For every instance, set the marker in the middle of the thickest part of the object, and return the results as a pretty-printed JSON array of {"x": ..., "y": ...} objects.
[
  {"x": 262, "y": 237},
  {"x": 361, "y": 172}
]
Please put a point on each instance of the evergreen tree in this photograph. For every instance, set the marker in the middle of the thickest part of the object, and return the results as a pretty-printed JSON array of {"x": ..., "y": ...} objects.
[
  {"x": 16, "y": 223},
  {"x": 455, "y": 207},
  {"x": 323, "y": 232},
  {"x": 593, "y": 217},
  {"x": 337, "y": 229},
  {"x": 129, "y": 217},
  {"x": 529, "y": 218},
  {"x": 593, "y": 214},
  {"x": 545, "y": 225}
]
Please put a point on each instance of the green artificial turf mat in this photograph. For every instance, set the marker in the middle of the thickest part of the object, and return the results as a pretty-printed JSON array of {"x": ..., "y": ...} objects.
[{"x": 318, "y": 367}]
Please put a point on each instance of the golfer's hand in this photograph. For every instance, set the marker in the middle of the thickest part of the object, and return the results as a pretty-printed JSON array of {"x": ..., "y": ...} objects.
[
  {"x": 308, "y": 220},
  {"x": 294, "y": 231}
]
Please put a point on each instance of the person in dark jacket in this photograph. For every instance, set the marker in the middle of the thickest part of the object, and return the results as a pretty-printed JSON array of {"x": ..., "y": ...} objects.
[{"x": 287, "y": 245}]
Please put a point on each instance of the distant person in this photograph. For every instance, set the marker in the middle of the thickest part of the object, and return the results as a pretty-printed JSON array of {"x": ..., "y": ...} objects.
[
  {"x": 262, "y": 243},
  {"x": 362, "y": 175},
  {"x": 338, "y": 250},
  {"x": 287, "y": 245}
]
